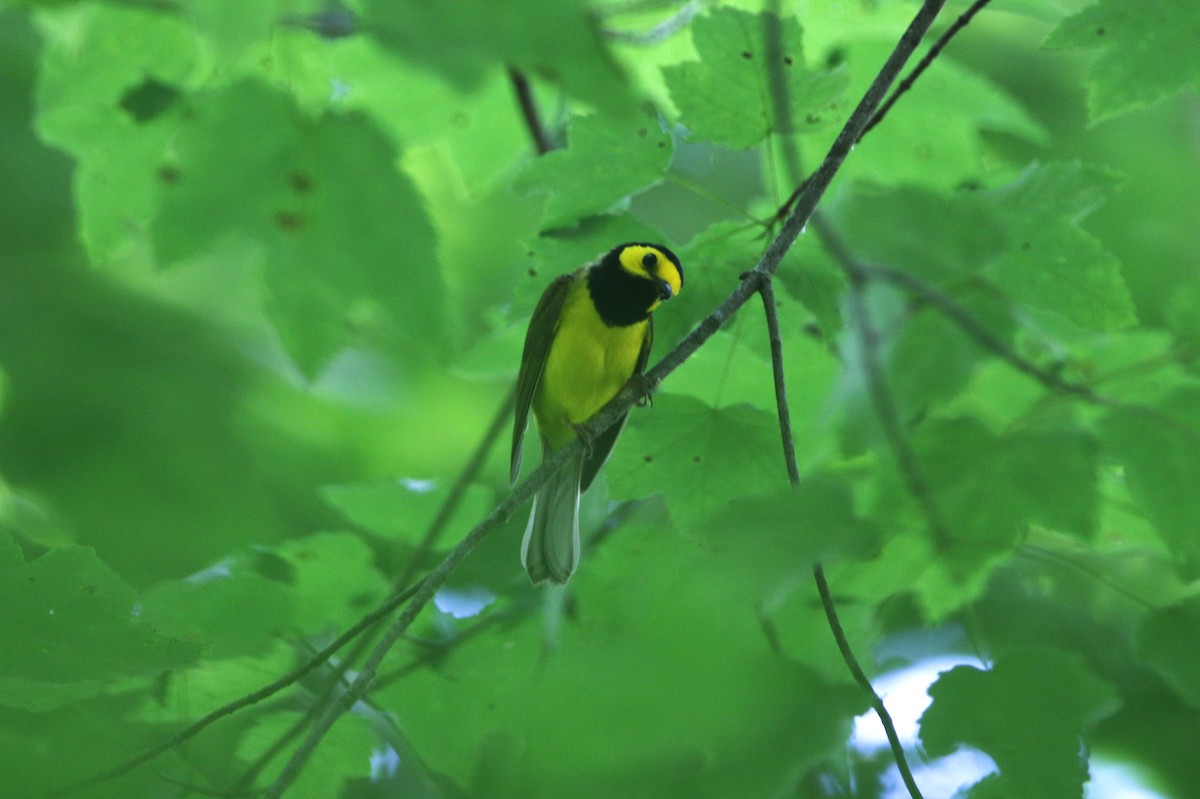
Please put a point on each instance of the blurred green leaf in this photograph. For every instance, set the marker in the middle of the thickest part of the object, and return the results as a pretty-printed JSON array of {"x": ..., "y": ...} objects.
[
  {"x": 605, "y": 161},
  {"x": 468, "y": 41},
  {"x": 1001, "y": 710},
  {"x": 918, "y": 231},
  {"x": 404, "y": 509},
  {"x": 1048, "y": 478},
  {"x": 700, "y": 457},
  {"x": 1146, "y": 53},
  {"x": 1158, "y": 448},
  {"x": 334, "y": 577},
  {"x": 304, "y": 191},
  {"x": 1052, "y": 263},
  {"x": 72, "y": 630},
  {"x": 345, "y": 754},
  {"x": 725, "y": 97},
  {"x": 934, "y": 137},
  {"x": 1169, "y": 640}
]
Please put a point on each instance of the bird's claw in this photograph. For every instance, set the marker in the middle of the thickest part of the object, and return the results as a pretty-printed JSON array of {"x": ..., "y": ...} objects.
[{"x": 645, "y": 390}]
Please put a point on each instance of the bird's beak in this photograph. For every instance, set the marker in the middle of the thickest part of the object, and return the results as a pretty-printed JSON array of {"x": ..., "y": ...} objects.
[{"x": 665, "y": 292}]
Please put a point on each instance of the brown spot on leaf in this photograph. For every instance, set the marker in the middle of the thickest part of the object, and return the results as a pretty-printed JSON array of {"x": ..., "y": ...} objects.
[
  {"x": 746, "y": 54},
  {"x": 647, "y": 458},
  {"x": 532, "y": 272},
  {"x": 695, "y": 459},
  {"x": 288, "y": 220},
  {"x": 787, "y": 60},
  {"x": 301, "y": 182},
  {"x": 168, "y": 174}
]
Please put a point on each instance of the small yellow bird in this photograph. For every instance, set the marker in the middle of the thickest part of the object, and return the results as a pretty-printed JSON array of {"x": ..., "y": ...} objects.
[{"x": 589, "y": 335}]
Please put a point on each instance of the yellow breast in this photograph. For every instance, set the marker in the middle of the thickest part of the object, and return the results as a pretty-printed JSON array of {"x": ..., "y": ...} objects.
[{"x": 588, "y": 364}]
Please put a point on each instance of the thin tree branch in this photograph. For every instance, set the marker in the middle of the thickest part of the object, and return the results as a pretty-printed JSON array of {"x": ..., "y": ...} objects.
[
  {"x": 767, "y": 291},
  {"x": 529, "y": 112},
  {"x": 861, "y": 678},
  {"x": 976, "y": 330},
  {"x": 432, "y": 533},
  {"x": 904, "y": 85},
  {"x": 194, "y": 729},
  {"x": 766, "y": 266},
  {"x": 963, "y": 20},
  {"x": 831, "y": 615}
]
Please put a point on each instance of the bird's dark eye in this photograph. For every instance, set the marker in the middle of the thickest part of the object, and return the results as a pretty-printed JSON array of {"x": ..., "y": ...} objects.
[{"x": 649, "y": 260}]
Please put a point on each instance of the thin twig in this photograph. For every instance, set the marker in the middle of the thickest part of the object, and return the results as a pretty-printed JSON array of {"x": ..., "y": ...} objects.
[
  {"x": 864, "y": 682},
  {"x": 541, "y": 140},
  {"x": 904, "y": 85},
  {"x": 831, "y": 615},
  {"x": 976, "y": 330},
  {"x": 767, "y": 291},
  {"x": 194, "y": 729},
  {"x": 524, "y": 490},
  {"x": 432, "y": 533},
  {"x": 963, "y": 20}
]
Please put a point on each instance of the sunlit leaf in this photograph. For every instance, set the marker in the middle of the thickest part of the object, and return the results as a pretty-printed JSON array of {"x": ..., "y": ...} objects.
[
  {"x": 605, "y": 161},
  {"x": 1144, "y": 56},
  {"x": 726, "y": 96},
  {"x": 343, "y": 235},
  {"x": 1052, "y": 263}
]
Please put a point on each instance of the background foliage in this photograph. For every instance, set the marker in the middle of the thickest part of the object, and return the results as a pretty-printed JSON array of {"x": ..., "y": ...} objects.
[{"x": 264, "y": 274}]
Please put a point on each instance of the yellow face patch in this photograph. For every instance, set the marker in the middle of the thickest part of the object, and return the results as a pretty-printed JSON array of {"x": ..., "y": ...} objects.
[{"x": 652, "y": 263}]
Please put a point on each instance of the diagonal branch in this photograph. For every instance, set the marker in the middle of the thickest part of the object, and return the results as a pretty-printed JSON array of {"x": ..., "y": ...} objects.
[
  {"x": 961, "y": 22},
  {"x": 907, "y": 83},
  {"x": 877, "y": 387},
  {"x": 608, "y": 415},
  {"x": 529, "y": 112},
  {"x": 972, "y": 327},
  {"x": 195, "y": 728}
]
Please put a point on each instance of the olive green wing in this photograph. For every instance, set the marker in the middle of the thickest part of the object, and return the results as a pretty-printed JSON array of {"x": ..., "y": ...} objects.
[
  {"x": 604, "y": 443},
  {"x": 543, "y": 326}
]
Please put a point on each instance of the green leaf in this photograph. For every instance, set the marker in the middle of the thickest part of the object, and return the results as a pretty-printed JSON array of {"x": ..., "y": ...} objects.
[
  {"x": 1052, "y": 263},
  {"x": 605, "y": 161},
  {"x": 1159, "y": 451},
  {"x": 1003, "y": 712},
  {"x": 404, "y": 509},
  {"x": 1146, "y": 52},
  {"x": 779, "y": 534},
  {"x": 342, "y": 233},
  {"x": 468, "y": 40},
  {"x": 588, "y": 707},
  {"x": 934, "y": 136},
  {"x": 725, "y": 97},
  {"x": 335, "y": 579},
  {"x": 1169, "y": 640},
  {"x": 99, "y": 59},
  {"x": 1048, "y": 477},
  {"x": 917, "y": 230},
  {"x": 210, "y": 609},
  {"x": 933, "y": 358},
  {"x": 700, "y": 457},
  {"x": 72, "y": 630},
  {"x": 344, "y": 754}
]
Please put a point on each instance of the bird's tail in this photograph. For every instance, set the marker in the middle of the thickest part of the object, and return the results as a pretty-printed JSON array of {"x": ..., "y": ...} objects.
[{"x": 550, "y": 550}]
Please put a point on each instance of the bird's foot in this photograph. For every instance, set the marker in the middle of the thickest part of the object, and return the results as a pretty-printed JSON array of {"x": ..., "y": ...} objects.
[{"x": 644, "y": 388}]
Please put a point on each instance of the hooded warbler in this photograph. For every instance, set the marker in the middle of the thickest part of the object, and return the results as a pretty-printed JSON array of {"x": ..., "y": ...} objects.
[{"x": 590, "y": 333}]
